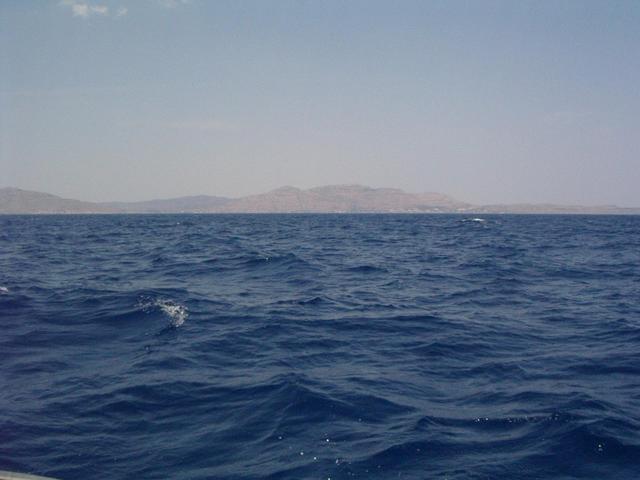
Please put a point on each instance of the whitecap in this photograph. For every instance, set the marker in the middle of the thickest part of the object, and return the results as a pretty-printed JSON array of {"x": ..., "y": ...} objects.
[
  {"x": 4, "y": 290},
  {"x": 177, "y": 313}
]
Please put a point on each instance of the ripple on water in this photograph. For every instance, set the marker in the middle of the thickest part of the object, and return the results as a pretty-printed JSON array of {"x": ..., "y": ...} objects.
[{"x": 325, "y": 346}]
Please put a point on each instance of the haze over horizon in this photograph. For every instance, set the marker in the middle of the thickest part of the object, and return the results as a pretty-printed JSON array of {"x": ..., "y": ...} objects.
[{"x": 489, "y": 102}]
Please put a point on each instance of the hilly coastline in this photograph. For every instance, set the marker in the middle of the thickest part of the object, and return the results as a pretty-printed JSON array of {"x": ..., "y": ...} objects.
[{"x": 326, "y": 199}]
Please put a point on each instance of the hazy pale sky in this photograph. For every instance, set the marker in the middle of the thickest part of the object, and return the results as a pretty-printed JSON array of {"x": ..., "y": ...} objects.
[{"x": 489, "y": 101}]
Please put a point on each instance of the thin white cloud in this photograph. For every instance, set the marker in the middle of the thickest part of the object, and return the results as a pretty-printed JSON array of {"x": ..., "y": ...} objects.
[
  {"x": 80, "y": 10},
  {"x": 84, "y": 10},
  {"x": 99, "y": 9}
]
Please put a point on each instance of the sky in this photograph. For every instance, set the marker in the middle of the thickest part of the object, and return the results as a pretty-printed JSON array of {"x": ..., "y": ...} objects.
[{"x": 487, "y": 101}]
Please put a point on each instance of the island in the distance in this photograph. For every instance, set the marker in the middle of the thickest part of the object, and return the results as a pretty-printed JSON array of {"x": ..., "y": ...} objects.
[{"x": 327, "y": 199}]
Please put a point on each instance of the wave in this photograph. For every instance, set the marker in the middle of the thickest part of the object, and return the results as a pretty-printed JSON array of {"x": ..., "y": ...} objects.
[
  {"x": 367, "y": 269},
  {"x": 325, "y": 347}
]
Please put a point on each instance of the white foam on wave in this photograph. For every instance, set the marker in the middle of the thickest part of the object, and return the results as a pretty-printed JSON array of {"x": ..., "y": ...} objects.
[
  {"x": 476, "y": 220},
  {"x": 176, "y": 312},
  {"x": 4, "y": 290}
]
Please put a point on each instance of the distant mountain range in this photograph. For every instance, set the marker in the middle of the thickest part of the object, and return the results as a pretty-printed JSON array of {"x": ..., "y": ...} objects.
[{"x": 327, "y": 199}]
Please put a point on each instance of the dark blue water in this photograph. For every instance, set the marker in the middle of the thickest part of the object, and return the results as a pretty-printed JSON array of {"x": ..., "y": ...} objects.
[{"x": 320, "y": 346}]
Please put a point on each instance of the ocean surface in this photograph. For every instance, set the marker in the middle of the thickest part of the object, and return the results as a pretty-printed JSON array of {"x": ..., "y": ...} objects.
[{"x": 320, "y": 346}]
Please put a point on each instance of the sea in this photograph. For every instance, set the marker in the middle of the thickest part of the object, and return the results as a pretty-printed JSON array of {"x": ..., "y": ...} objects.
[{"x": 320, "y": 347}]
